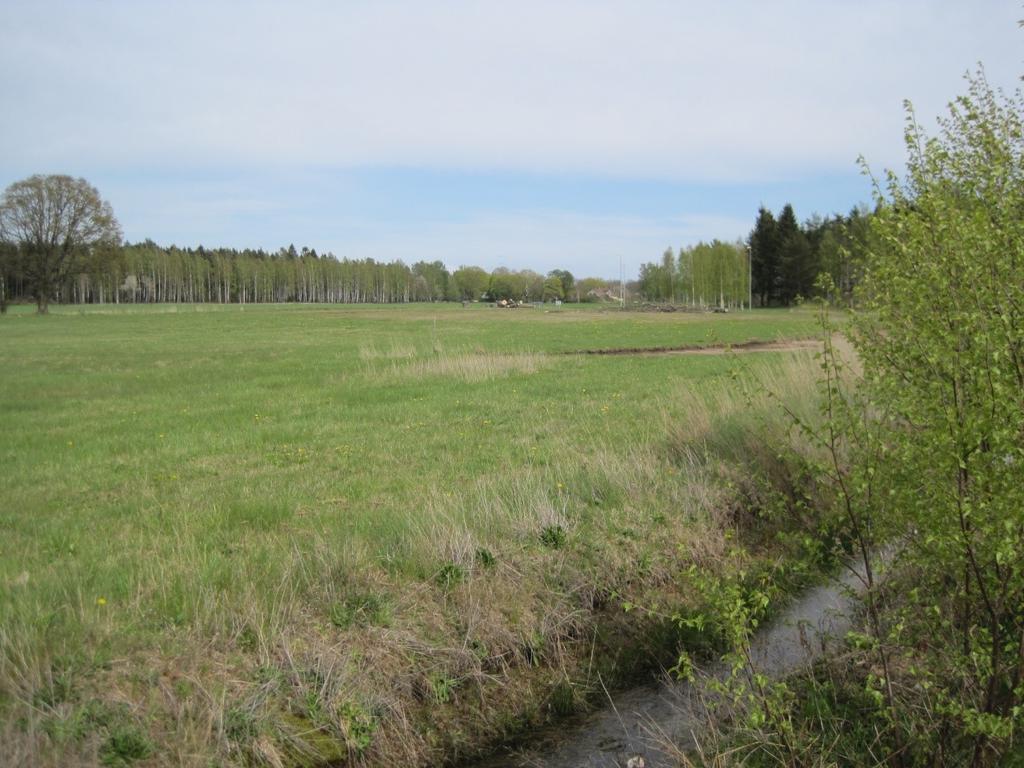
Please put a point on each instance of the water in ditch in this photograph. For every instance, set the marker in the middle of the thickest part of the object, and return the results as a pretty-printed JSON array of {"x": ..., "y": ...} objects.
[{"x": 634, "y": 725}]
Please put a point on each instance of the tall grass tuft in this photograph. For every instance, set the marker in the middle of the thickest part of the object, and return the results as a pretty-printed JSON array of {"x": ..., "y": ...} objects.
[{"x": 471, "y": 367}]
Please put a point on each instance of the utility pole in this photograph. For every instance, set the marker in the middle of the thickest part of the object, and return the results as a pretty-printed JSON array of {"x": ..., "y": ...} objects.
[{"x": 622, "y": 286}]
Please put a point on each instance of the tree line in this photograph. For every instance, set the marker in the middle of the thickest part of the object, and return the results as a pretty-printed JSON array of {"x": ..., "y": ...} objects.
[
  {"x": 711, "y": 274},
  {"x": 778, "y": 265},
  {"x": 787, "y": 258},
  {"x": 60, "y": 241}
]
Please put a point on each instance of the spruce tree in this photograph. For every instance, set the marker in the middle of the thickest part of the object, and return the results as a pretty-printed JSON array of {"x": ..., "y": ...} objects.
[
  {"x": 796, "y": 268},
  {"x": 764, "y": 254}
]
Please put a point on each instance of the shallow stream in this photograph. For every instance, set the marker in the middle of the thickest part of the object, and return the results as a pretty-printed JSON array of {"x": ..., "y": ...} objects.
[{"x": 638, "y": 722}]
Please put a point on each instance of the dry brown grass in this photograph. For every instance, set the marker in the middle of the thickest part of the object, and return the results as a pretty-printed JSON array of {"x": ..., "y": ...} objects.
[
  {"x": 397, "y": 350},
  {"x": 472, "y": 367}
]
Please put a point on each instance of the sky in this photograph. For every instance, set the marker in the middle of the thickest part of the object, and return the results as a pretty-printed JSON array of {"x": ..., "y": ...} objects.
[{"x": 541, "y": 135}]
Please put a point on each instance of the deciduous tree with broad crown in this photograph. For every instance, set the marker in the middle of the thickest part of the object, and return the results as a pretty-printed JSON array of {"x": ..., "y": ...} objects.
[{"x": 54, "y": 222}]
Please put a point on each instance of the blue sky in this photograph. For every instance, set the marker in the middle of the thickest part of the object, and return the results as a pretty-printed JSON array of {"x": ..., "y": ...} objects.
[{"x": 527, "y": 134}]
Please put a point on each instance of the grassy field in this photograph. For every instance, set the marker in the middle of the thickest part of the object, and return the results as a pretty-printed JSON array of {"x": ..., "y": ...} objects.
[{"x": 274, "y": 535}]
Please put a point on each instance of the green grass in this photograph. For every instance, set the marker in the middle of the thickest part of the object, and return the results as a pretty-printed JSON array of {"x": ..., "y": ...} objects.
[{"x": 175, "y": 477}]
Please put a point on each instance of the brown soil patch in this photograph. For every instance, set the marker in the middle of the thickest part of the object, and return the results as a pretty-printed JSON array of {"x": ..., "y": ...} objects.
[{"x": 793, "y": 345}]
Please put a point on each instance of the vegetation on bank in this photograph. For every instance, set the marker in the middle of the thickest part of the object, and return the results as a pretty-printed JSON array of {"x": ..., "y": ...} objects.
[
  {"x": 289, "y": 535},
  {"x": 924, "y": 459}
]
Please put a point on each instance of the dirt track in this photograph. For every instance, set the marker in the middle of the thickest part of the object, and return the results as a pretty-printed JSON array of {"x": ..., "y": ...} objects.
[{"x": 715, "y": 349}]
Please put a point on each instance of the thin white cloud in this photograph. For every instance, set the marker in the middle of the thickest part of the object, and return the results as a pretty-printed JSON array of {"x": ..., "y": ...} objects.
[{"x": 684, "y": 90}]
